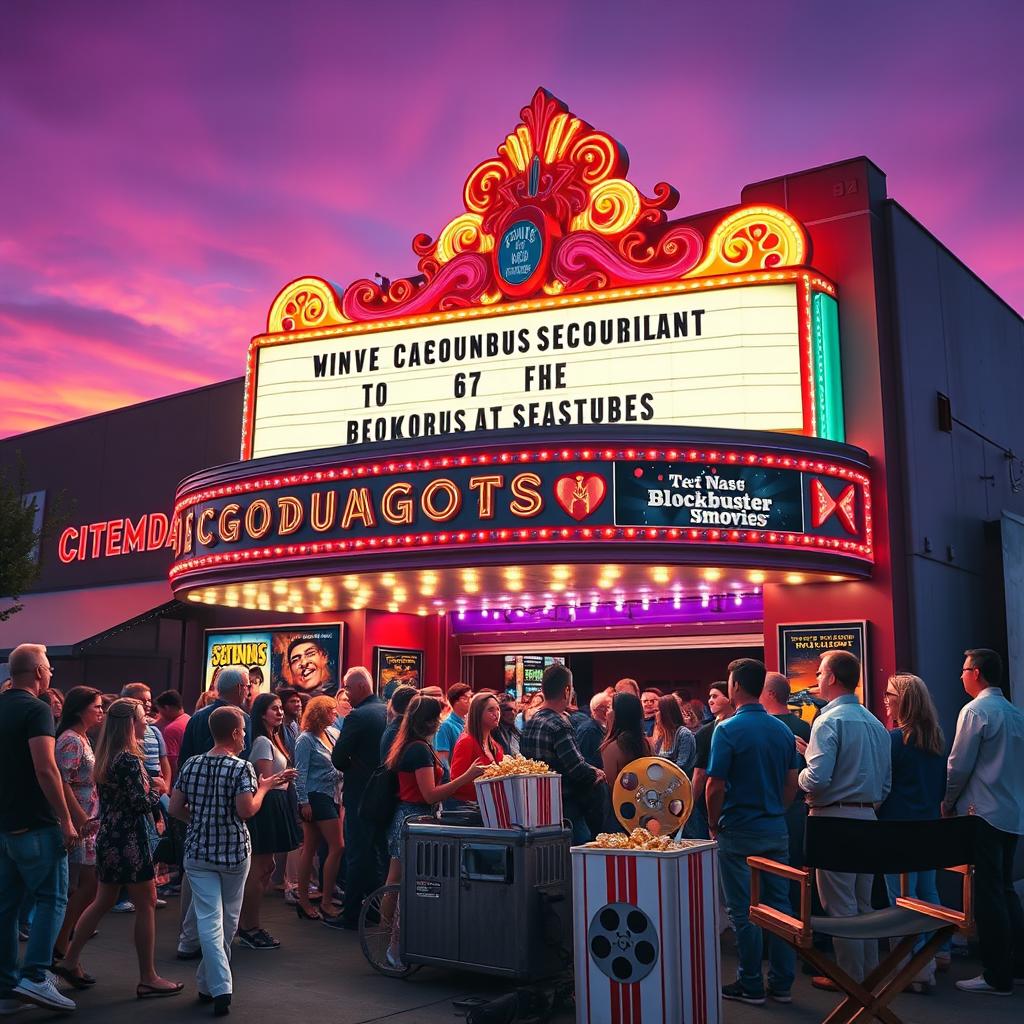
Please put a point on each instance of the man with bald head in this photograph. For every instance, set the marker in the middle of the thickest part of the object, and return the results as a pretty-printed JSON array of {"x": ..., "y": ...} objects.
[
  {"x": 775, "y": 700},
  {"x": 357, "y": 756}
]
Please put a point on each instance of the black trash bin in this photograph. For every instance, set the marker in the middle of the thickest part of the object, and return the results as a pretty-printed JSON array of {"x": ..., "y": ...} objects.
[{"x": 497, "y": 901}]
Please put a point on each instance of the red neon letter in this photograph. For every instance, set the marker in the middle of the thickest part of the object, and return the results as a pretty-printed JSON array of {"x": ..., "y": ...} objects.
[{"x": 62, "y": 545}]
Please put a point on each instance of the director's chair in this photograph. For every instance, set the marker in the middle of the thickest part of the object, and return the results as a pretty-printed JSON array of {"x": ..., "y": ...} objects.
[{"x": 873, "y": 847}]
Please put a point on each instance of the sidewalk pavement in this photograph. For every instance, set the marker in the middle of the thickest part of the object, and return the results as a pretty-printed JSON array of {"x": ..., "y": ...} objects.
[{"x": 319, "y": 974}]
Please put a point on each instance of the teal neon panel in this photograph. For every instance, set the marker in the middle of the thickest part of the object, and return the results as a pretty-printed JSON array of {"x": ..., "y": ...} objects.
[{"x": 828, "y": 372}]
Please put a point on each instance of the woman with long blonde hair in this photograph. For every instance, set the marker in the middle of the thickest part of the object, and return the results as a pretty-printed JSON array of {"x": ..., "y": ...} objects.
[
  {"x": 122, "y": 848},
  {"x": 918, "y": 785}
]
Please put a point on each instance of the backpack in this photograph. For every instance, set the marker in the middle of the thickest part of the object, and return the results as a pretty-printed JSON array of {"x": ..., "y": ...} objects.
[{"x": 380, "y": 797}]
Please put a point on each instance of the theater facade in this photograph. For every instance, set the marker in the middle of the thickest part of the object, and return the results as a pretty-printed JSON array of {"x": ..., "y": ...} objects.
[{"x": 589, "y": 428}]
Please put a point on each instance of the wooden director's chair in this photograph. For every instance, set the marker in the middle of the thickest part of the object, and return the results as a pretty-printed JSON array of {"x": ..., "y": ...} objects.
[{"x": 873, "y": 847}]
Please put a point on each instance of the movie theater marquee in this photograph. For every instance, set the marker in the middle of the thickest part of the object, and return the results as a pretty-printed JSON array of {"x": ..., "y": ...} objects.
[{"x": 718, "y": 357}]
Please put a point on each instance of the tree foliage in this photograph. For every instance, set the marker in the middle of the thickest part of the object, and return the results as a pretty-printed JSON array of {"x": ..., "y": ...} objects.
[{"x": 19, "y": 545}]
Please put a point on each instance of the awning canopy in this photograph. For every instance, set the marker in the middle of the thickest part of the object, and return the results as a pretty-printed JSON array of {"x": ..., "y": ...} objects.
[{"x": 68, "y": 620}]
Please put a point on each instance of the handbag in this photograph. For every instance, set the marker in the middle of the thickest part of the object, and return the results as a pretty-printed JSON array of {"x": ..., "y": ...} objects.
[{"x": 171, "y": 847}]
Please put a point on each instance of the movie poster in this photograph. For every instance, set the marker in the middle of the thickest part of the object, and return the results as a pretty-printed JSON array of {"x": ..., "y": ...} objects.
[
  {"x": 801, "y": 646},
  {"x": 396, "y": 666},
  {"x": 306, "y": 657},
  {"x": 524, "y": 672}
]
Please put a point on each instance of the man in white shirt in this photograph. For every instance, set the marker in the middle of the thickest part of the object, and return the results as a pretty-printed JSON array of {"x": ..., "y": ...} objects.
[
  {"x": 848, "y": 774},
  {"x": 985, "y": 777}
]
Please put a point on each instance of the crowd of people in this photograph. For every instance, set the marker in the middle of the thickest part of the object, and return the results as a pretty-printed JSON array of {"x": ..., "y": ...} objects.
[{"x": 107, "y": 796}]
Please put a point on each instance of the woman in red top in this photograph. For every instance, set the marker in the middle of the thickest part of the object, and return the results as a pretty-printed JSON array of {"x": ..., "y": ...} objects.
[
  {"x": 477, "y": 745},
  {"x": 422, "y": 784}
]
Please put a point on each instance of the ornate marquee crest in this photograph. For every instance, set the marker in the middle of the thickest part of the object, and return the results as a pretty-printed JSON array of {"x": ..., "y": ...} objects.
[{"x": 552, "y": 213}]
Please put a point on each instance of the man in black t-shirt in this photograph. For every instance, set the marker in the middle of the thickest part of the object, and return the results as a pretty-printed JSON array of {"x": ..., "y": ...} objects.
[
  {"x": 36, "y": 831},
  {"x": 721, "y": 707},
  {"x": 775, "y": 700}
]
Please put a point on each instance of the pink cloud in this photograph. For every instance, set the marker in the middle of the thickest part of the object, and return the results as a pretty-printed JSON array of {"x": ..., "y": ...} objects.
[{"x": 169, "y": 167}]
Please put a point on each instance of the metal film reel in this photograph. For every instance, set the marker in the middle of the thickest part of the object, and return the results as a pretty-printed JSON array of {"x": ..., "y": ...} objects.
[
  {"x": 652, "y": 793},
  {"x": 622, "y": 942}
]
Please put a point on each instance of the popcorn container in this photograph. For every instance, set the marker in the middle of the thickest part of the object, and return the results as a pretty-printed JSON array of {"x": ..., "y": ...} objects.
[
  {"x": 526, "y": 801},
  {"x": 646, "y": 935}
]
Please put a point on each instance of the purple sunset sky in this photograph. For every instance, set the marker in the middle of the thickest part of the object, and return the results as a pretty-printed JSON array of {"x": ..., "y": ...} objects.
[{"x": 167, "y": 167}]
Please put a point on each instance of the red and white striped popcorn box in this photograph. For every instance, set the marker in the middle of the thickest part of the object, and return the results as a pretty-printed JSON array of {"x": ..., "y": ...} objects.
[
  {"x": 645, "y": 928},
  {"x": 525, "y": 801}
]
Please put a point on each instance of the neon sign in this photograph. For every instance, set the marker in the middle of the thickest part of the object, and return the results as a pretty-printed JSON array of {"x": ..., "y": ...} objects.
[
  {"x": 761, "y": 498},
  {"x": 112, "y": 537},
  {"x": 560, "y": 296}
]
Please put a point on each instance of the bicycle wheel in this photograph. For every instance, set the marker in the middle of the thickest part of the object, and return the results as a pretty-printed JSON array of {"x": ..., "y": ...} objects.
[{"x": 378, "y": 932}]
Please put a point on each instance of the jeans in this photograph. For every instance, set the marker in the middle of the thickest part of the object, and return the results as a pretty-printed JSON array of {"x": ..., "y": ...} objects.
[
  {"x": 33, "y": 865},
  {"x": 217, "y": 900},
  {"x": 921, "y": 885},
  {"x": 997, "y": 909},
  {"x": 734, "y": 846},
  {"x": 577, "y": 816}
]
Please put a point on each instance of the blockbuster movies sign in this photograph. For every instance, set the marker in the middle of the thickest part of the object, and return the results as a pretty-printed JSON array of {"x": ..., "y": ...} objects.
[{"x": 727, "y": 357}]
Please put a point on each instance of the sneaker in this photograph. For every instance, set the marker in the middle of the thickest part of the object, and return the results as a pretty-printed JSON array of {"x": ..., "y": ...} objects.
[
  {"x": 737, "y": 992},
  {"x": 123, "y": 907},
  {"x": 160, "y": 903},
  {"x": 257, "y": 938},
  {"x": 189, "y": 954},
  {"x": 43, "y": 993},
  {"x": 291, "y": 897},
  {"x": 779, "y": 997},
  {"x": 980, "y": 985},
  {"x": 394, "y": 960}
]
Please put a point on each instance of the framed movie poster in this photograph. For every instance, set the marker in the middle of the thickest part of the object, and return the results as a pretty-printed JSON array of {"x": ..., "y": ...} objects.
[
  {"x": 801, "y": 644},
  {"x": 306, "y": 657},
  {"x": 397, "y": 666}
]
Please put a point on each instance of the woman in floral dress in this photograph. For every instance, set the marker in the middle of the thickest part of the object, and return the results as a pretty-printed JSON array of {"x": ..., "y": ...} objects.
[
  {"x": 82, "y": 713},
  {"x": 122, "y": 848}
]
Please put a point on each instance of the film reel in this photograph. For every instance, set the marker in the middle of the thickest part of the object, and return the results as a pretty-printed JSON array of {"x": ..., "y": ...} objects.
[
  {"x": 623, "y": 942},
  {"x": 652, "y": 793}
]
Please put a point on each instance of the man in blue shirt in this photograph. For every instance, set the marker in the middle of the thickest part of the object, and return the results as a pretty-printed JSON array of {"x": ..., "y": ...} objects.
[
  {"x": 459, "y": 695},
  {"x": 752, "y": 779}
]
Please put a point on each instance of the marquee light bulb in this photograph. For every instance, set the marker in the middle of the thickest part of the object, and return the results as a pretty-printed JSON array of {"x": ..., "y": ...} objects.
[
  {"x": 738, "y": 600},
  {"x": 462, "y": 613},
  {"x": 705, "y": 600}
]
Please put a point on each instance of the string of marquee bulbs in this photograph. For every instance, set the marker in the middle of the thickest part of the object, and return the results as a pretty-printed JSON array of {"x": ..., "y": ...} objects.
[{"x": 632, "y": 608}]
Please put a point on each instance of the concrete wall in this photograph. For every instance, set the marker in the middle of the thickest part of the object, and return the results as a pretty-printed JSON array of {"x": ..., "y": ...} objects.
[{"x": 954, "y": 336}]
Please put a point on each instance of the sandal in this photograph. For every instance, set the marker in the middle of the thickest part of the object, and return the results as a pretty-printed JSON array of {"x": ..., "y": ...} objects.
[
  {"x": 152, "y": 992},
  {"x": 77, "y": 978}
]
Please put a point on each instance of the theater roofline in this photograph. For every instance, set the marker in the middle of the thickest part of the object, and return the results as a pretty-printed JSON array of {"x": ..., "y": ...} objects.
[{"x": 121, "y": 408}]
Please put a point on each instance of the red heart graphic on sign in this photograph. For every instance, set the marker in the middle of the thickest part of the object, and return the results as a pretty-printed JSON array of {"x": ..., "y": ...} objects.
[{"x": 580, "y": 494}]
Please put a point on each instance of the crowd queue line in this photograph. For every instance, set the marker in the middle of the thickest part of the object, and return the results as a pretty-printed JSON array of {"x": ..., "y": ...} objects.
[{"x": 105, "y": 796}]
